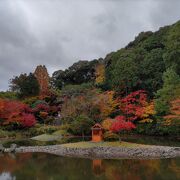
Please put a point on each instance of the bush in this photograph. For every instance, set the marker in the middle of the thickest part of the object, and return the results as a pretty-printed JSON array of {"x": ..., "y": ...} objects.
[
  {"x": 81, "y": 125},
  {"x": 110, "y": 136},
  {"x": 31, "y": 100},
  {"x": 28, "y": 120},
  {"x": 39, "y": 102},
  {"x": 157, "y": 130},
  {"x": 5, "y": 134},
  {"x": 38, "y": 130},
  {"x": 8, "y": 95},
  {"x": 65, "y": 126}
]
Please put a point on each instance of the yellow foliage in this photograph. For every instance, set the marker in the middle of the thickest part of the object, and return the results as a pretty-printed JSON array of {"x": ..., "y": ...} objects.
[
  {"x": 174, "y": 117},
  {"x": 100, "y": 74},
  {"x": 106, "y": 103},
  {"x": 147, "y": 120},
  {"x": 107, "y": 123},
  {"x": 148, "y": 111}
]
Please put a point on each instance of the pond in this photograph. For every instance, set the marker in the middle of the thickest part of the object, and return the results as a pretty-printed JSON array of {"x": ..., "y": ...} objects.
[{"x": 42, "y": 166}]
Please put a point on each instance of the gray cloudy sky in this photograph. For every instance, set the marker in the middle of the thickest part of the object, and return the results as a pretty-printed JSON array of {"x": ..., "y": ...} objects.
[{"x": 57, "y": 33}]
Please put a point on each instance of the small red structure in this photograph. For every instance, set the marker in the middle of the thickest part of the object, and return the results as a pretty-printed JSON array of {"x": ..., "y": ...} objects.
[{"x": 97, "y": 133}]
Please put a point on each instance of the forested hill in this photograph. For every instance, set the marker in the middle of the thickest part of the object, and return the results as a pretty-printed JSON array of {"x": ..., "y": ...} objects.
[
  {"x": 140, "y": 65},
  {"x": 136, "y": 87}
]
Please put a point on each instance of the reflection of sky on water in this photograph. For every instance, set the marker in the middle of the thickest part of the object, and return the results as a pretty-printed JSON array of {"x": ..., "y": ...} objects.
[{"x": 6, "y": 176}]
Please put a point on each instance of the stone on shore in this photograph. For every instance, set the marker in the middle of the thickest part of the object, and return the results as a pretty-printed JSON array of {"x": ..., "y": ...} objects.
[
  {"x": 1, "y": 148},
  {"x": 90, "y": 150}
]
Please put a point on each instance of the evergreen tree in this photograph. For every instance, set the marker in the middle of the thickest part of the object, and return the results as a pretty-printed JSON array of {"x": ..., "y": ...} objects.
[
  {"x": 169, "y": 91},
  {"x": 25, "y": 85}
]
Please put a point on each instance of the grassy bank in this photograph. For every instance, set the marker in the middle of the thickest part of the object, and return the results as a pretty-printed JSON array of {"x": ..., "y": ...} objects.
[{"x": 89, "y": 144}]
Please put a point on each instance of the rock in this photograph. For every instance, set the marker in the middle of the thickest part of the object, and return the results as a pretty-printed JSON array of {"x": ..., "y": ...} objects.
[
  {"x": 13, "y": 147},
  {"x": 106, "y": 152},
  {"x": 1, "y": 148},
  {"x": 7, "y": 150},
  {"x": 176, "y": 148}
]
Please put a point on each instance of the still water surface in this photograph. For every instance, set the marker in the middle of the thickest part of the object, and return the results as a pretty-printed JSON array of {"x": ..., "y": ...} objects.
[{"x": 42, "y": 166}]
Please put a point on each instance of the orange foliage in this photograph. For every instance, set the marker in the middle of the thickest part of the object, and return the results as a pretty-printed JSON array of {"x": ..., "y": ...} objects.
[
  {"x": 136, "y": 107},
  {"x": 106, "y": 103},
  {"x": 174, "y": 117},
  {"x": 148, "y": 111},
  {"x": 43, "y": 114},
  {"x": 43, "y": 79},
  {"x": 1, "y": 106},
  {"x": 107, "y": 123}
]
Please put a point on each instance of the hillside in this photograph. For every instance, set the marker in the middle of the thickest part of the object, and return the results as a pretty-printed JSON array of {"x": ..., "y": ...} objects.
[
  {"x": 136, "y": 88},
  {"x": 140, "y": 65}
]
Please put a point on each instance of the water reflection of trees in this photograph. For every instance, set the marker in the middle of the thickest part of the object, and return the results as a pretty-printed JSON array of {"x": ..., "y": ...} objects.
[
  {"x": 44, "y": 166},
  {"x": 142, "y": 169}
]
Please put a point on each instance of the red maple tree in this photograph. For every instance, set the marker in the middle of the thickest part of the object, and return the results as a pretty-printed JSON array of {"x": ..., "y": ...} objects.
[
  {"x": 120, "y": 124},
  {"x": 16, "y": 112},
  {"x": 27, "y": 120},
  {"x": 133, "y": 105}
]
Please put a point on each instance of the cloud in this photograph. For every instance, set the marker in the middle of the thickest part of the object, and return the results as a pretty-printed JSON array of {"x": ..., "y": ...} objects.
[{"x": 58, "y": 33}]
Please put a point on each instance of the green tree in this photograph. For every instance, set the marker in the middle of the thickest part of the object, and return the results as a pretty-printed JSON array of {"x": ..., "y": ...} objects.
[
  {"x": 169, "y": 91},
  {"x": 25, "y": 85},
  {"x": 80, "y": 72},
  {"x": 151, "y": 69},
  {"x": 123, "y": 71},
  {"x": 172, "y": 55},
  {"x": 8, "y": 95},
  {"x": 141, "y": 64},
  {"x": 81, "y": 125}
]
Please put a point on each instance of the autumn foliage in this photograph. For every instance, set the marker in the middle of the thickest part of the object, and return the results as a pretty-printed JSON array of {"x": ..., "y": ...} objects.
[
  {"x": 174, "y": 117},
  {"x": 106, "y": 103},
  {"x": 15, "y": 112},
  {"x": 132, "y": 105},
  {"x": 135, "y": 107},
  {"x": 100, "y": 73},
  {"x": 107, "y": 123},
  {"x": 42, "y": 76},
  {"x": 120, "y": 124}
]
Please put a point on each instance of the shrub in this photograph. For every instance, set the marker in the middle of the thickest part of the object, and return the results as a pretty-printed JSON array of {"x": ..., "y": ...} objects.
[
  {"x": 37, "y": 102},
  {"x": 81, "y": 125},
  {"x": 110, "y": 136},
  {"x": 28, "y": 120},
  {"x": 8, "y": 95},
  {"x": 5, "y": 134},
  {"x": 41, "y": 129},
  {"x": 31, "y": 100}
]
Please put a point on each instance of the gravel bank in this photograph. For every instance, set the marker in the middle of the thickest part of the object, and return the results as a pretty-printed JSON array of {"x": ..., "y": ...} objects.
[{"x": 147, "y": 152}]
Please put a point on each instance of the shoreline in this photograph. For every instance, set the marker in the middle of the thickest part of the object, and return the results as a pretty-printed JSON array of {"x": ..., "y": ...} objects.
[{"x": 106, "y": 152}]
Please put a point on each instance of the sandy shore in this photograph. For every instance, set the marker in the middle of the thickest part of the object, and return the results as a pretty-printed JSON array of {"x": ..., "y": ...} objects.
[{"x": 142, "y": 152}]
